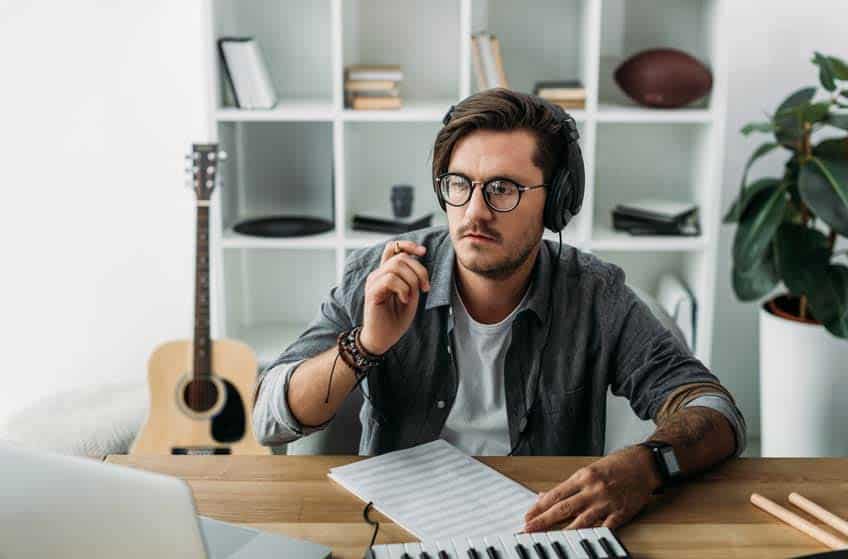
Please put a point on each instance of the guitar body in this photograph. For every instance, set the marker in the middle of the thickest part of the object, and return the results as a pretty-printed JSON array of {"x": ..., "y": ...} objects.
[{"x": 172, "y": 426}]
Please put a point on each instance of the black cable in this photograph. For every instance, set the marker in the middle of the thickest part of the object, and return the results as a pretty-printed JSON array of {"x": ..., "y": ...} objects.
[
  {"x": 373, "y": 523},
  {"x": 330, "y": 382}
]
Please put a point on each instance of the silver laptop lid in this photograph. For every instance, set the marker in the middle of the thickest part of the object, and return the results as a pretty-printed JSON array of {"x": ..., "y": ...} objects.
[{"x": 61, "y": 506}]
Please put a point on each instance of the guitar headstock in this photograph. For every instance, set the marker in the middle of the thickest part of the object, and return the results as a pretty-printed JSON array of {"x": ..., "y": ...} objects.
[{"x": 202, "y": 166}]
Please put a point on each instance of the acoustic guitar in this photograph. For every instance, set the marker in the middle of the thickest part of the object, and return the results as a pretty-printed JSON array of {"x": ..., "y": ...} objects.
[{"x": 201, "y": 391}]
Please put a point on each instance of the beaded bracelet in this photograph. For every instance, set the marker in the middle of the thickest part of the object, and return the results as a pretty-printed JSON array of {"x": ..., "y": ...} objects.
[{"x": 354, "y": 355}]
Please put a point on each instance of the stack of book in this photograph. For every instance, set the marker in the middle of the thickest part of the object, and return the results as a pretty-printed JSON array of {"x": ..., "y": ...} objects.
[
  {"x": 652, "y": 216},
  {"x": 488, "y": 64},
  {"x": 568, "y": 94},
  {"x": 390, "y": 224},
  {"x": 247, "y": 74},
  {"x": 372, "y": 87}
]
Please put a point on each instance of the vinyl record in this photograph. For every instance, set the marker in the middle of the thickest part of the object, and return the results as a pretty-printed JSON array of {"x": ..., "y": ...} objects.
[{"x": 283, "y": 226}]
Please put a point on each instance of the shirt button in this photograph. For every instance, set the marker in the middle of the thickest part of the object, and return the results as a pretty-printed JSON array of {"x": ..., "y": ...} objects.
[
  {"x": 450, "y": 351},
  {"x": 440, "y": 404},
  {"x": 522, "y": 425}
]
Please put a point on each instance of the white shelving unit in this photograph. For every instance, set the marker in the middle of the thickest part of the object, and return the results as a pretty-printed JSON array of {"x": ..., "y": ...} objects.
[{"x": 312, "y": 156}]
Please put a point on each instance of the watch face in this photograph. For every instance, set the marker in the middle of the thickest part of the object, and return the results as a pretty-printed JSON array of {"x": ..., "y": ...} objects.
[{"x": 671, "y": 462}]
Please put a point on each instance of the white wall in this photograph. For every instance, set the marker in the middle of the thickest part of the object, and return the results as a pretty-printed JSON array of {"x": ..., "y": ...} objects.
[
  {"x": 771, "y": 44},
  {"x": 97, "y": 104}
]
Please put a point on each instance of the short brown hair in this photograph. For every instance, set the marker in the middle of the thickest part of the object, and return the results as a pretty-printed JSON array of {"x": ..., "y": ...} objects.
[{"x": 506, "y": 110}]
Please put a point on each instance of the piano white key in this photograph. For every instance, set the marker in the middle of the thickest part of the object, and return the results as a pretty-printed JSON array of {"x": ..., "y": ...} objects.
[
  {"x": 396, "y": 550},
  {"x": 430, "y": 548},
  {"x": 527, "y": 542},
  {"x": 381, "y": 552},
  {"x": 559, "y": 537},
  {"x": 508, "y": 542},
  {"x": 589, "y": 535},
  {"x": 574, "y": 539},
  {"x": 495, "y": 542},
  {"x": 541, "y": 539},
  {"x": 613, "y": 540},
  {"x": 479, "y": 546},
  {"x": 413, "y": 549}
]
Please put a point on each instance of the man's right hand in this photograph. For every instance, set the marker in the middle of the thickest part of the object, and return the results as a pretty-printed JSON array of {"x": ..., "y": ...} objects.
[{"x": 391, "y": 295}]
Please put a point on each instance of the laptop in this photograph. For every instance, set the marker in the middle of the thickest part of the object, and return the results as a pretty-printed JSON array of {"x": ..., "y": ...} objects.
[{"x": 61, "y": 506}]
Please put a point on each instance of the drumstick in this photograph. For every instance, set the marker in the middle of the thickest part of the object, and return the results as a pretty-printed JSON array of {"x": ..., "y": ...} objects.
[
  {"x": 798, "y": 523},
  {"x": 819, "y": 512}
]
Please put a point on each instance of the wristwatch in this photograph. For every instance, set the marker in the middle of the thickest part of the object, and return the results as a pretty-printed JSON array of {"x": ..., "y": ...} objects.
[{"x": 666, "y": 461}]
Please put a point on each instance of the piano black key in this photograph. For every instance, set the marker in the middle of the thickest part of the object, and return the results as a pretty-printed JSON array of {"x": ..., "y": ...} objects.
[
  {"x": 607, "y": 547},
  {"x": 424, "y": 555},
  {"x": 540, "y": 550},
  {"x": 619, "y": 551},
  {"x": 559, "y": 550},
  {"x": 472, "y": 553},
  {"x": 492, "y": 553},
  {"x": 405, "y": 556},
  {"x": 521, "y": 551},
  {"x": 443, "y": 554},
  {"x": 587, "y": 547}
]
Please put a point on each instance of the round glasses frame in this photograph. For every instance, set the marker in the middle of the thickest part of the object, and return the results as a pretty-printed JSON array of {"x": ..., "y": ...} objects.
[{"x": 486, "y": 190}]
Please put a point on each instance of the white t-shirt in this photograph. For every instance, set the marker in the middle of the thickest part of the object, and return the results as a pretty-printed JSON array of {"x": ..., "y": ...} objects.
[{"x": 477, "y": 422}]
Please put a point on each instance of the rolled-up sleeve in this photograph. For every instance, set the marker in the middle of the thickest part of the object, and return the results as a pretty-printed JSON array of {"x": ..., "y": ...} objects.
[
  {"x": 273, "y": 421},
  {"x": 647, "y": 362}
]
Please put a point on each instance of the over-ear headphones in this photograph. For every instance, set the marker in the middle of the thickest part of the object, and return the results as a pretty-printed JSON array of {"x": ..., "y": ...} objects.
[{"x": 565, "y": 192}]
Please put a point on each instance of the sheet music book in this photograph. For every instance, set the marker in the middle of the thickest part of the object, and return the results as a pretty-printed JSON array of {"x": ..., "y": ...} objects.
[{"x": 436, "y": 491}]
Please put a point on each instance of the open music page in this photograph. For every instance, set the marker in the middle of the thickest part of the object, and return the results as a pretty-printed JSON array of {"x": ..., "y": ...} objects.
[{"x": 436, "y": 491}]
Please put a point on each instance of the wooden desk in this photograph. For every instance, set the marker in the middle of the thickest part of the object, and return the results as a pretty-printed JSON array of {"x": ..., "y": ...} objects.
[{"x": 708, "y": 517}]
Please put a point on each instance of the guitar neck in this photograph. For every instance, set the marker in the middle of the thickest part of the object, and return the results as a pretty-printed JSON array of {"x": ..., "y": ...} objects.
[{"x": 202, "y": 344}]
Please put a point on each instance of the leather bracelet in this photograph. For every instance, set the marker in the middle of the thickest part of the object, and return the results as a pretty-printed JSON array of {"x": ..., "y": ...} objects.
[{"x": 352, "y": 354}]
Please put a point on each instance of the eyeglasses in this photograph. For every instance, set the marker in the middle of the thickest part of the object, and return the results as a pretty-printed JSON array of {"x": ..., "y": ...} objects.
[{"x": 502, "y": 195}]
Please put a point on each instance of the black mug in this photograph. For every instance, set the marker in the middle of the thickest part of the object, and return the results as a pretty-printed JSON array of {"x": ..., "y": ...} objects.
[{"x": 402, "y": 196}]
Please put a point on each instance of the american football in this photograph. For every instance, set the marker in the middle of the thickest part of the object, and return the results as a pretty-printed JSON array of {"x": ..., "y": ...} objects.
[{"x": 664, "y": 78}]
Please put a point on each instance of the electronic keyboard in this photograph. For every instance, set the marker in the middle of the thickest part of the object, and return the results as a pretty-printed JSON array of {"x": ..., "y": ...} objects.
[{"x": 589, "y": 543}]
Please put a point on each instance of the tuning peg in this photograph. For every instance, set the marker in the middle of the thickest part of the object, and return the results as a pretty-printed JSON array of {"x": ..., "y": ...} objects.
[
  {"x": 210, "y": 183},
  {"x": 210, "y": 170},
  {"x": 222, "y": 155}
]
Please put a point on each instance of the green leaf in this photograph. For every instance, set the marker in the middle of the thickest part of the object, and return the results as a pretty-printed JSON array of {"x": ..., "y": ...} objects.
[
  {"x": 802, "y": 254},
  {"x": 761, "y": 150},
  {"x": 823, "y": 184},
  {"x": 757, "y": 227},
  {"x": 756, "y": 282},
  {"x": 748, "y": 193},
  {"x": 839, "y": 120},
  {"x": 825, "y": 71},
  {"x": 840, "y": 68},
  {"x": 829, "y": 300},
  {"x": 816, "y": 112},
  {"x": 757, "y": 127},
  {"x": 834, "y": 148},
  {"x": 788, "y": 117}
]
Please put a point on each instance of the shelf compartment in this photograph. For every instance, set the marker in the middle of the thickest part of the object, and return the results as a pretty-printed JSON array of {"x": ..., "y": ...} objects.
[
  {"x": 293, "y": 38},
  {"x": 276, "y": 168},
  {"x": 269, "y": 304},
  {"x": 544, "y": 40},
  {"x": 649, "y": 160},
  {"x": 631, "y": 27},
  {"x": 421, "y": 37},
  {"x": 381, "y": 154}
]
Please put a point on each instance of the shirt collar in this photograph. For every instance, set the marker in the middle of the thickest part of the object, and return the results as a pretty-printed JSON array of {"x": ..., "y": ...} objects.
[{"x": 441, "y": 279}]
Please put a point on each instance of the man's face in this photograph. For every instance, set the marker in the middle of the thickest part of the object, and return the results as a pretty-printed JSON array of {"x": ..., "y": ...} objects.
[{"x": 489, "y": 243}]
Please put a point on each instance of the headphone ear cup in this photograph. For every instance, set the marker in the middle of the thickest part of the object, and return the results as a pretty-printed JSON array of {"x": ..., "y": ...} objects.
[
  {"x": 577, "y": 179},
  {"x": 557, "y": 202}
]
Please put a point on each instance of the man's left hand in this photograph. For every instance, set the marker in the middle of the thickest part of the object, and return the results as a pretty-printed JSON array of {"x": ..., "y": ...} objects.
[{"x": 608, "y": 492}]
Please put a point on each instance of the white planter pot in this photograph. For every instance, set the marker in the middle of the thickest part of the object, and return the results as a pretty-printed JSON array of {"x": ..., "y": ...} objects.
[{"x": 803, "y": 389}]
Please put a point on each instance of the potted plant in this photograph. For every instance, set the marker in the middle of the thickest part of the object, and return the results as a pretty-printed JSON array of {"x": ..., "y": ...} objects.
[{"x": 787, "y": 231}]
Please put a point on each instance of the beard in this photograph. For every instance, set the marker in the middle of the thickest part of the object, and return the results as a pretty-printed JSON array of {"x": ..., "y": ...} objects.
[{"x": 481, "y": 261}]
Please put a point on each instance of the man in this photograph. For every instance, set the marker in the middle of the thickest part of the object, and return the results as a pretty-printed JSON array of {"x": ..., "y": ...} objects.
[{"x": 487, "y": 336}]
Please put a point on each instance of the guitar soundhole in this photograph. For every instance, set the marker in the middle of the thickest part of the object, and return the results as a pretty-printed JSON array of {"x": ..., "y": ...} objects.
[{"x": 200, "y": 395}]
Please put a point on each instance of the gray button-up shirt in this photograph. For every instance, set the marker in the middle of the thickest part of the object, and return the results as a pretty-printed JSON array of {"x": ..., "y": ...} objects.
[{"x": 581, "y": 332}]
